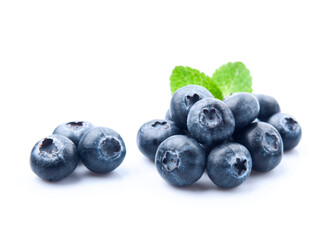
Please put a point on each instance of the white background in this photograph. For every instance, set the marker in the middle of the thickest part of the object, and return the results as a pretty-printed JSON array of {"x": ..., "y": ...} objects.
[{"x": 109, "y": 62}]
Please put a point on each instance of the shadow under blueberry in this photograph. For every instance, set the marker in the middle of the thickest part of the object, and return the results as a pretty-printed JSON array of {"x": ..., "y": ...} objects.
[
  {"x": 152, "y": 161},
  {"x": 82, "y": 173},
  {"x": 110, "y": 175},
  {"x": 73, "y": 178},
  {"x": 197, "y": 187},
  {"x": 257, "y": 178},
  {"x": 204, "y": 185}
]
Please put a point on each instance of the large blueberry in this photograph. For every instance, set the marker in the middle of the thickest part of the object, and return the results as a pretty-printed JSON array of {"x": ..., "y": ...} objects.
[
  {"x": 101, "y": 150},
  {"x": 183, "y": 99},
  {"x": 229, "y": 164},
  {"x": 210, "y": 121},
  {"x": 244, "y": 107},
  {"x": 264, "y": 144},
  {"x": 154, "y": 132},
  {"x": 289, "y": 129},
  {"x": 268, "y": 106},
  {"x": 73, "y": 130},
  {"x": 180, "y": 160},
  {"x": 54, "y": 158}
]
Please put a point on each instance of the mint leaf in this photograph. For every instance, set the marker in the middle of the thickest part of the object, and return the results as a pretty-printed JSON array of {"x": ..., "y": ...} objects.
[
  {"x": 233, "y": 77},
  {"x": 183, "y": 76}
]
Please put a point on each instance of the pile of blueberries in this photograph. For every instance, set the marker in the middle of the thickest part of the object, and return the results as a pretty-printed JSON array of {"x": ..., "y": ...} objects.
[
  {"x": 100, "y": 149},
  {"x": 226, "y": 138}
]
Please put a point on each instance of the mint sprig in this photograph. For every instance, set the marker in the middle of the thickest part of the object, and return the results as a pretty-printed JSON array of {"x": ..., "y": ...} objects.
[
  {"x": 182, "y": 76},
  {"x": 233, "y": 77},
  {"x": 229, "y": 78}
]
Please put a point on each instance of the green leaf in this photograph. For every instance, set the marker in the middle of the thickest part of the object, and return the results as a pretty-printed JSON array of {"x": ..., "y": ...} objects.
[
  {"x": 183, "y": 76},
  {"x": 233, "y": 77}
]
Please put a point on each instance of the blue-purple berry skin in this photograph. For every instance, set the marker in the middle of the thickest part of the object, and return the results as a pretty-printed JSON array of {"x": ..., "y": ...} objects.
[
  {"x": 265, "y": 145},
  {"x": 102, "y": 149},
  {"x": 168, "y": 115},
  {"x": 210, "y": 121},
  {"x": 180, "y": 160},
  {"x": 268, "y": 106},
  {"x": 153, "y": 133},
  {"x": 245, "y": 108},
  {"x": 73, "y": 130},
  {"x": 183, "y": 99},
  {"x": 229, "y": 165},
  {"x": 54, "y": 158},
  {"x": 289, "y": 129}
]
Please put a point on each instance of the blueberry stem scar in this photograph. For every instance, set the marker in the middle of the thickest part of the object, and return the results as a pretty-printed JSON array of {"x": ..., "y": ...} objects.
[
  {"x": 170, "y": 160},
  {"x": 240, "y": 165},
  {"x": 75, "y": 125},
  {"x": 48, "y": 146}
]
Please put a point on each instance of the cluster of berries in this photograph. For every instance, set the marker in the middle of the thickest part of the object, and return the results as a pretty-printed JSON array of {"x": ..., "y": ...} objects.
[
  {"x": 55, "y": 157},
  {"x": 226, "y": 138}
]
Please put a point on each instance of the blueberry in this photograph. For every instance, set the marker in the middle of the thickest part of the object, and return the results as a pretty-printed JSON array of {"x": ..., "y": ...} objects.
[
  {"x": 268, "y": 106},
  {"x": 210, "y": 121},
  {"x": 244, "y": 107},
  {"x": 229, "y": 165},
  {"x": 168, "y": 115},
  {"x": 154, "y": 132},
  {"x": 264, "y": 144},
  {"x": 54, "y": 158},
  {"x": 289, "y": 129},
  {"x": 73, "y": 130},
  {"x": 182, "y": 101},
  {"x": 101, "y": 149},
  {"x": 180, "y": 160}
]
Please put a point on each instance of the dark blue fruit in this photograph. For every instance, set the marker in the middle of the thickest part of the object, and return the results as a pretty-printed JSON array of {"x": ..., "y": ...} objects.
[
  {"x": 289, "y": 129},
  {"x": 182, "y": 101},
  {"x": 101, "y": 150},
  {"x": 268, "y": 106},
  {"x": 54, "y": 158},
  {"x": 154, "y": 132},
  {"x": 73, "y": 130},
  {"x": 244, "y": 107},
  {"x": 180, "y": 160},
  {"x": 168, "y": 115},
  {"x": 210, "y": 121},
  {"x": 229, "y": 165},
  {"x": 264, "y": 144}
]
